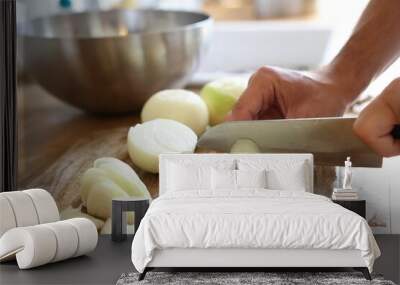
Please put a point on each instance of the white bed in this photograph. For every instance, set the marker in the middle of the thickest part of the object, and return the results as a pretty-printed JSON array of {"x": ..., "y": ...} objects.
[{"x": 248, "y": 227}]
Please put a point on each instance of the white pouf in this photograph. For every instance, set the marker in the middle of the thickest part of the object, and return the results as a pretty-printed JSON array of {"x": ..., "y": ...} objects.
[
  {"x": 87, "y": 235},
  {"x": 66, "y": 237},
  {"x": 26, "y": 208},
  {"x": 33, "y": 246},
  {"x": 45, "y": 205},
  {"x": 23, "y": 208},
  {"x": 7, "y": 220}
]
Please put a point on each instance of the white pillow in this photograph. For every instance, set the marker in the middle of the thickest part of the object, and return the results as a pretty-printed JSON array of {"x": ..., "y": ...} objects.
[
  {"x": 293, "y": 180},
  {"x": 251, "y": 178},
  {"x": 223, "y": 179},
  {"x": 193, "y": 174},
  {"x": 281, "y": 174},
  {"x": 181, "y": 178}
]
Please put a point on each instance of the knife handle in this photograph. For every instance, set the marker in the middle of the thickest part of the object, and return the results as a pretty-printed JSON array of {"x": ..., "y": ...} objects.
[{"x": 396, "y": 132}]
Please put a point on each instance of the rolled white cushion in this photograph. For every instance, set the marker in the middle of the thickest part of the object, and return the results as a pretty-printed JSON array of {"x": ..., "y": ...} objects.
[
  {"x": 7, "y": 218},
  {"x": 251, "y": 178},
  {"x": 40, "y": 244},
  {"x": 45, "y": 205},
  {"x": 33, "y": 246},
  {"x": 87, "y": 235},
  {"x": 23, "y": 208},
  {"x": 67, "y": 239}
]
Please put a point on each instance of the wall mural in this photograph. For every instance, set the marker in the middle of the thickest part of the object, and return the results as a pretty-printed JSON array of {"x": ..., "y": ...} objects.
[{"x": 58, "y": 142}]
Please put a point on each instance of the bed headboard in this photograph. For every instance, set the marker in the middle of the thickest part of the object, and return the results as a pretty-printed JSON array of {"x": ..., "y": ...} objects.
[{"x": 210, "y": 159}]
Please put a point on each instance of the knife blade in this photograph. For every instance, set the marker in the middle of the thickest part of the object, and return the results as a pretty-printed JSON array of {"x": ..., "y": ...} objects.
[{"x": 331, "y": 140}]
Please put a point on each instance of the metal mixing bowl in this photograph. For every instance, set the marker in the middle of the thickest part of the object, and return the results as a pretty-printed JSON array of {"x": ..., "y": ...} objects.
[{"x": 112, "y": 61}]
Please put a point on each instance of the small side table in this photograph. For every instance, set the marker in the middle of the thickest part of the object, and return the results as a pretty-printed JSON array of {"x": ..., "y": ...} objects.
[
  {"x": 356, "y": 206},
  {"x": 119, "y": 208}
]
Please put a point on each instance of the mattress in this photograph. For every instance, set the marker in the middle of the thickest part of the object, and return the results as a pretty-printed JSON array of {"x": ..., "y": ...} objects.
[{"x": 250, "y": 219}]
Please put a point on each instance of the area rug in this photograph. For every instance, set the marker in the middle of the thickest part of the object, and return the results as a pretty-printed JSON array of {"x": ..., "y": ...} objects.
[{"x": 243, "y": 278}]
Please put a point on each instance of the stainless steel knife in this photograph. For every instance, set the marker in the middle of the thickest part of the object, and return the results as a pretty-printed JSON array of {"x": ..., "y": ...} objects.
[{"x": 331, "y": 140}]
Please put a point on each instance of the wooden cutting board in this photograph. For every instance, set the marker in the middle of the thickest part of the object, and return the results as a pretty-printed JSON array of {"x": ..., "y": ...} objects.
[
  {"x": 58, "y": 143},
  {"x": 62, "y": 178}
]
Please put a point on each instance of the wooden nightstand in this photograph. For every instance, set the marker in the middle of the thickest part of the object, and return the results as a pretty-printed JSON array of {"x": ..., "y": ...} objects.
[{"x": 357, "y": 206}]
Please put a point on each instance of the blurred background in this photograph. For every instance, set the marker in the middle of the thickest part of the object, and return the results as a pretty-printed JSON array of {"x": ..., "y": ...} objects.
[
  {"x": 78, "y": 59},
  {"x": 298, "y": 34}
]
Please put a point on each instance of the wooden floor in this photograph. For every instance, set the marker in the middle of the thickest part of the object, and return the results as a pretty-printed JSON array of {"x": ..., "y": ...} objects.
[{"x": 110, "y": 260}]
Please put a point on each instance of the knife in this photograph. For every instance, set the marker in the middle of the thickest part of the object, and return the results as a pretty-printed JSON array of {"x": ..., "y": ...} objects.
[{"x": 331, "y": 140}]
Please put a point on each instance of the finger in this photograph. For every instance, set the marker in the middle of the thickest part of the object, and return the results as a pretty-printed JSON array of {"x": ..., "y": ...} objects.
[
  {"x": 374, "y": 127},
  {"x": 376, "y": 122},
  {"x": 249, "y": 104},
  {"x": 257, "y": 97},
  {"x": 384, "y": 145},
  {"x": 272, "y": 113},
  {"x": 391, "y": 96}
]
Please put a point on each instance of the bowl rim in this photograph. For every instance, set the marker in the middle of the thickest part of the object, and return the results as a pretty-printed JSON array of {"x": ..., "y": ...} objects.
[{"x": 208, "y": 20}]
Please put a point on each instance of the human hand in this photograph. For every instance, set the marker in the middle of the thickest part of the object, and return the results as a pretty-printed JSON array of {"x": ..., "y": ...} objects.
[
  {"x": 376, "y": 121},
  {"x": 275, "y": 93}
]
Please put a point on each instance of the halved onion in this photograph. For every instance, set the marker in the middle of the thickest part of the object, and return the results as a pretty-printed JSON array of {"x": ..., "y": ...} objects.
[{"x": 148, "y": 140}]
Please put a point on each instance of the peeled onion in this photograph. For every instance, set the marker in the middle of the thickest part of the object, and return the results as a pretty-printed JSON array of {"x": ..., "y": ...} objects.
[
  {"x": 148, "y": 140},
  {"x": 221, "y": 95},
  {"x": 70, "y": 213},
  {"x": 109, "y": 178},
  {"x": 180, "y": 105},
  {"x": 99, "y": 201},
  {"x": 245, "y": 146},
  {"x": 123, "y": 175}
]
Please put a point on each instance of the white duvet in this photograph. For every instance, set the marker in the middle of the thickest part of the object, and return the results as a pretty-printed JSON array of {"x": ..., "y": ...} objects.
[{"x": 250, "y": 219}]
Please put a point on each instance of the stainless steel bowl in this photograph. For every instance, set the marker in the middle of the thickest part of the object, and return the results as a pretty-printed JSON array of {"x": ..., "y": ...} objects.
[{"x": 112, "y": 61}]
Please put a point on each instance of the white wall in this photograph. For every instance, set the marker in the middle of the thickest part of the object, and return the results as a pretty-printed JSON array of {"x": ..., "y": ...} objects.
[{"x": 381, "y": 189}]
